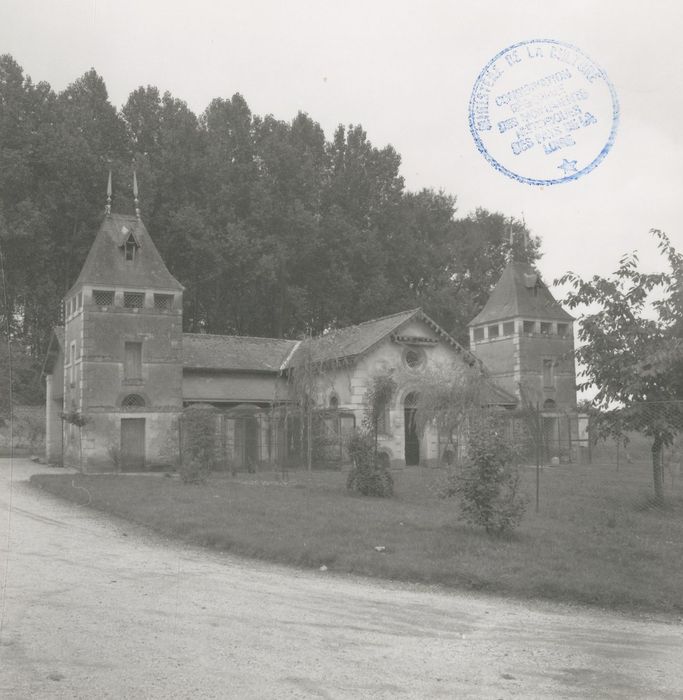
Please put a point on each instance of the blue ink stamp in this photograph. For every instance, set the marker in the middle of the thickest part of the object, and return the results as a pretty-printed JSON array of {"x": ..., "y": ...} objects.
[{"x": 542, "y": 112}]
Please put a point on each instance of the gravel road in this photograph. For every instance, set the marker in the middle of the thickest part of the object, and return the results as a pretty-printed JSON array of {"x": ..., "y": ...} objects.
[{"x": 94, "y": 607}]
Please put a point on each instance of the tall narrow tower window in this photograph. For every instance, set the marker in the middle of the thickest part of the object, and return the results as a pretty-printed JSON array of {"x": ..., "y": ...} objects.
[
  {"x": 548, "y": 379},
  {"x": 132, "y": 368}
]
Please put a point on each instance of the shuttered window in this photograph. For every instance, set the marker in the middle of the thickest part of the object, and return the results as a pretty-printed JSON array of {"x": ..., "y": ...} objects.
[{"x": 133, "y": 361}]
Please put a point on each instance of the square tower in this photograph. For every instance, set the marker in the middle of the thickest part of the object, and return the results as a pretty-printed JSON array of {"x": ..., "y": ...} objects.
[
  {"x": 526, "y": 340},
  {"x": 122, "y": 353}
]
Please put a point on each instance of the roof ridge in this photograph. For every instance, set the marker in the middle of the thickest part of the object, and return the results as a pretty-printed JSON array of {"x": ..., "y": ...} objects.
[
  {"x": 233, "y": 335},
  {"x": 374, "y": 320}
]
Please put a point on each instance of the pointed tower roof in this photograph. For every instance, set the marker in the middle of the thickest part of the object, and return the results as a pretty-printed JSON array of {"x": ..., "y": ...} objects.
[
  {"x": 520, "y": 292},
  {"x": 106, "y": 264}
]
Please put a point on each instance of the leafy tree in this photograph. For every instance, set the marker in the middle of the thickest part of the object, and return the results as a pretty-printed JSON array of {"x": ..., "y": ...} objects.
[
  {"x": 628, "y": 351},
  {"x": 200, "y": 443},
  {"x": 377, "y": 399},
  {"x": 368, "y": 476},
  {"x": 488, "y": 485},
  {"x": 447, "y": 396},
  {"x": 479, "y": 251},
  {"x": 273, "y": 229}
]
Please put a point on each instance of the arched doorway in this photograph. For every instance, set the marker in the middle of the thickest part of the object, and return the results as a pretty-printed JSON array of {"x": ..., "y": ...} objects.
[
  {"x": 412, "y": 439},
  {"x": 245, "y": 450}
]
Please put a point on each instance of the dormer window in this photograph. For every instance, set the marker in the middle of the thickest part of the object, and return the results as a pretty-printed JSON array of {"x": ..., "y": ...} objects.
[
  {"x": 130, "y": 248},
  {"x": 130, "y": 245}
]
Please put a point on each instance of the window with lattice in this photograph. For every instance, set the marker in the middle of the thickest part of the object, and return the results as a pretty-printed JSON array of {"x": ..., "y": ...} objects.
[
  {"x": 133, "y": 300},
  {"x": 133, "y": 401},
  {"x": 164, "y": 302},
  {"x": 102, "y": 297}
]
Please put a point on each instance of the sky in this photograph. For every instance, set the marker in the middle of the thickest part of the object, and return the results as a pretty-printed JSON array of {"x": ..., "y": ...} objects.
[{"x": 404, "y": 71}]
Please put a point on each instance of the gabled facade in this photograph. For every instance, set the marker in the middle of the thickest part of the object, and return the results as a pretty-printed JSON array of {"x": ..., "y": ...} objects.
[{"x": 403, "y": 345}]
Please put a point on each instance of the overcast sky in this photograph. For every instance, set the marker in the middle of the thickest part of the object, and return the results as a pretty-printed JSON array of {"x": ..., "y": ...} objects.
[{"x": 405, "y": 71}]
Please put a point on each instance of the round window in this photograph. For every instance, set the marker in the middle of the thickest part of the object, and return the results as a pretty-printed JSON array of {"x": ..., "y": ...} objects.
[{"x": 413, "y": 357}]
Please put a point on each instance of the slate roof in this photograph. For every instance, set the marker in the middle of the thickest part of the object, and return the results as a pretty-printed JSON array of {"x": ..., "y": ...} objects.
[
  {"x": 242, "y": 353},
  {"x": 353, "y": 341},
  {"x": 106, "y": 264},
  {"x": 514, "y": 297},
  {"x": 232, "y": 352},
  {"x": 495, "y": 395}
]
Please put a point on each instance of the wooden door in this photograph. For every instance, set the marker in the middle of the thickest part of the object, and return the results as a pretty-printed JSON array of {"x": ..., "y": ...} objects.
[
  {"x": 412, "y": 439},
  {"x": 132, "y": 444}
]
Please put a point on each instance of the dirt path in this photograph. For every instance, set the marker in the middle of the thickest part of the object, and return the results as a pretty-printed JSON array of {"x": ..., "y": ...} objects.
[{"x": 96, "y": 608}]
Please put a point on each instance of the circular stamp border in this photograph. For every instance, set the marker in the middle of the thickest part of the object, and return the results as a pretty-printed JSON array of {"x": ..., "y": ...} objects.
[{"x": 532, "y": 181}]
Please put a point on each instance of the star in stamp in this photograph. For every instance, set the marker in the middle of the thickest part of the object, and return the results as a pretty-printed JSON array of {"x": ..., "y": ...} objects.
[{"x": 542, "y": 112}]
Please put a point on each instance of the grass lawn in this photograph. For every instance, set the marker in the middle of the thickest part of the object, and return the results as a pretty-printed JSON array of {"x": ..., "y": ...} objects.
[{"x": 594, "y": 540}]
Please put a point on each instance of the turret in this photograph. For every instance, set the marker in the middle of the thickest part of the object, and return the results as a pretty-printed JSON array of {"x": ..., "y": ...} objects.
[
  {"x": 525, "y": 339},
  {"x": 122, "y": 350}
]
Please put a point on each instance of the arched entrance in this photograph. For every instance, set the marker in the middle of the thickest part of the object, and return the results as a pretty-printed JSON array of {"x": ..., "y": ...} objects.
[
  {"x": 411, "y": 438},
  {"x": 246, "y": 436}
]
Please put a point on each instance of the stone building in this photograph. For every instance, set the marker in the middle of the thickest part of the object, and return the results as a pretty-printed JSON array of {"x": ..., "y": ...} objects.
[
  {"x": 526, "y": 340},
  {"x": 117, "y": 361},
  {"x": 120, "y": 370}
]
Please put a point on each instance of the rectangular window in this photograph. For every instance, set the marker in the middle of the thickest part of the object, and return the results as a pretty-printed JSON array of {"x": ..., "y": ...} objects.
[
  {"x": 132, "y": 368},
  {"x": 547, "y": 373},
  {"x": 546, "y": 328},
  {"x": 479, "y": 334},
  {"x": 163, "y": 301},
  {"x": 133, "y": 300},
  {"x": 72, "y": 370},
  {"x": 493, "y": 331},
  {"x": 80, "y": 300},
  {"x": 562, "y": 329},
  {"x": 509, "y": 328},
  {"x": 529, "y": 327},
  {"x": 102, "y": 298}
]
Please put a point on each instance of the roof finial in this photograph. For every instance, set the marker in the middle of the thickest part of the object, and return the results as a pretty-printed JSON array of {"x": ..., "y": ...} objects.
[
  {"x": 107, "y": 207},
  {"x": 135, "y": 192}
]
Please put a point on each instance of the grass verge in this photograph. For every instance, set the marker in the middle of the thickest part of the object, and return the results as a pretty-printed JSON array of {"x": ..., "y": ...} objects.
[{"x": 595, "y": 539}]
